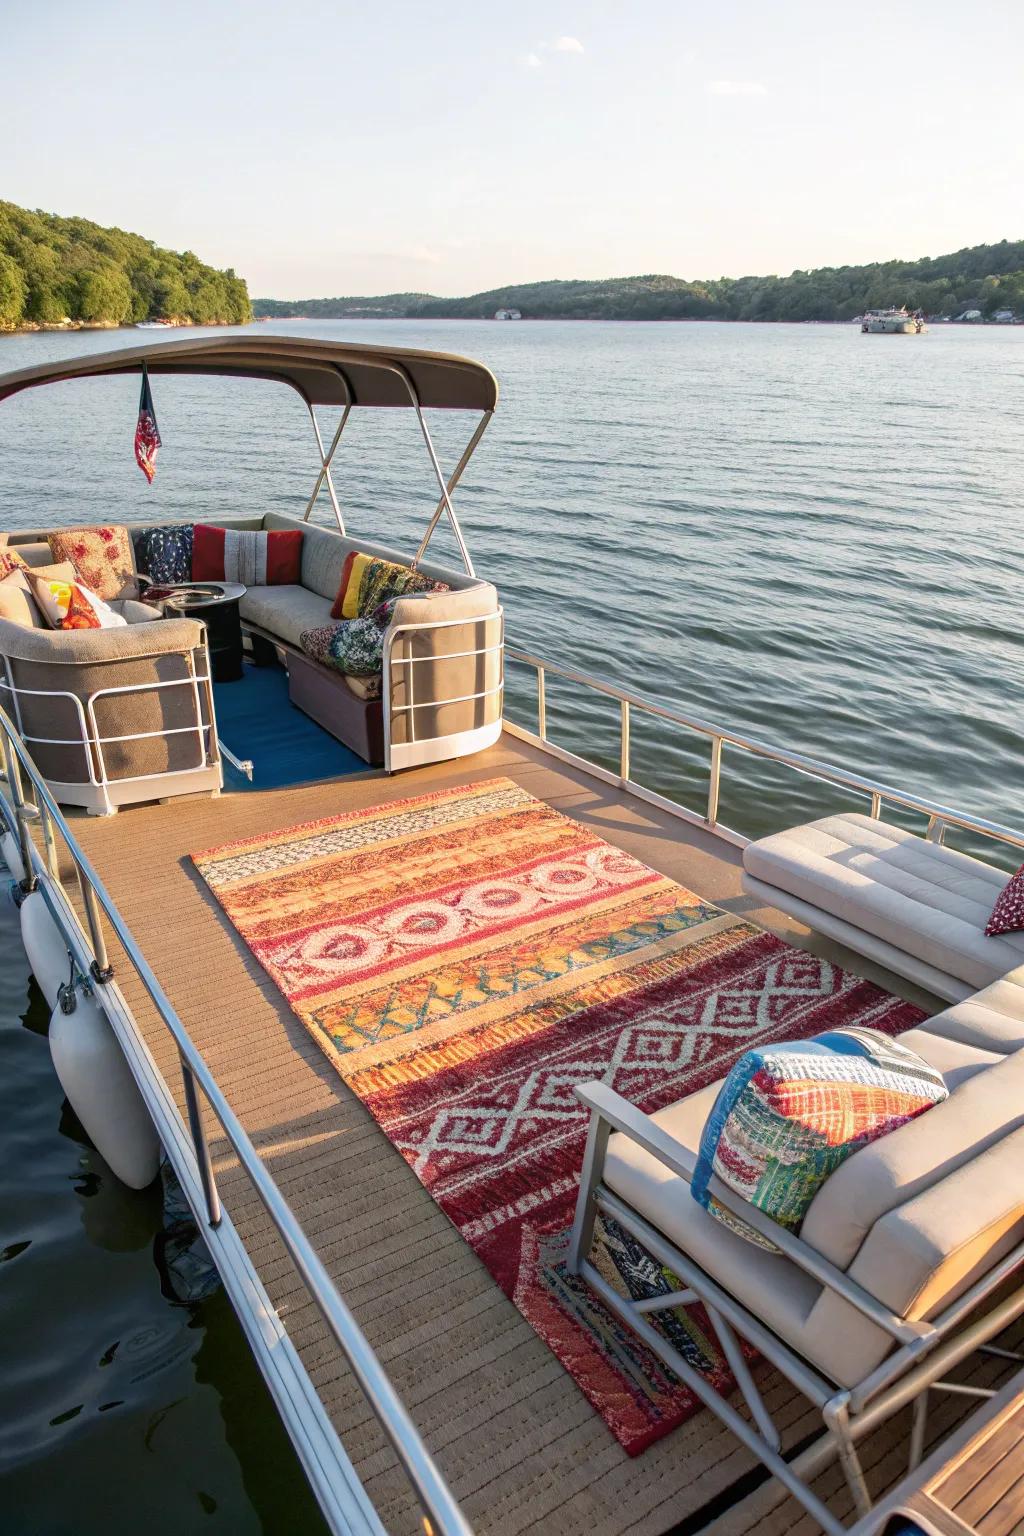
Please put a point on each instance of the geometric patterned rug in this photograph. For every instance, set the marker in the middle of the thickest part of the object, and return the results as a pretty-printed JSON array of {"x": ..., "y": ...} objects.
[{"x": 465, "y": 959}]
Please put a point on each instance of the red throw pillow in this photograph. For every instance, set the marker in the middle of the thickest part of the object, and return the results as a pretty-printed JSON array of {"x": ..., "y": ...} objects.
[
  {"x": 255, "y": 559},
  {"x": 346, "y": 577},
  {"x": 1008, "y": 912}
]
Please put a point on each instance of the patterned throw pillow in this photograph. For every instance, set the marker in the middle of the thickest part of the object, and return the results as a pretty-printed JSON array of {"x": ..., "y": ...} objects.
[
  {"x": 165, "y": 554},
  {"x": 103, "y": 558},
  {"x": 255, "y": 559},
  {"x": 366, "y": 582},
  {"x": 68, "y": 604},
  {"x": 787, "y": 1115},
  {"x": 354, "y": 646},
  {"x": 10, "y": 561},
  {"x": 316, "y": 642},
  {"x": 1008, "y": 912}
]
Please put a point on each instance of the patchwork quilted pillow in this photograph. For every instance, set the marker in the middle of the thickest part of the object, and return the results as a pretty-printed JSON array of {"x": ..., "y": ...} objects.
[
  {"x": 787, "y": 1115},
  {"x": 255, "y": 559},
  {"x": 366, "y": 582},
  {"x": 103, "y": 559},
  {"x": 1008, "y": 912},
  {"x": 165, "y": 554}
]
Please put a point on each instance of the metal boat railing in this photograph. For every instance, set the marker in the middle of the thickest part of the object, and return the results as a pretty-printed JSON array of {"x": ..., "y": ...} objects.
[
  {"x": 938, "y": 817},
  {"x": 91, "y": 956}
]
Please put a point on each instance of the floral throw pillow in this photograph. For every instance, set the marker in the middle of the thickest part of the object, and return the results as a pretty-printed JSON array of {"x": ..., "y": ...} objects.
[
  {"x": 1008, "y": 912},
  {"x": 355, "y": 646},
  {"x": 165, "y": 554},
  {"x": 10, "y": 561},
  {"x": 103, "y": 559}
]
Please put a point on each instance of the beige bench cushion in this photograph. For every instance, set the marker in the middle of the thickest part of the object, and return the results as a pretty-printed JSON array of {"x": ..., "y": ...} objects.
[
  {"x": 992, "y": 1018},
  {"x": 928, "y": 901},
  {"x": 780, "y": 1295},
  {"x": 285, "y": 611}
]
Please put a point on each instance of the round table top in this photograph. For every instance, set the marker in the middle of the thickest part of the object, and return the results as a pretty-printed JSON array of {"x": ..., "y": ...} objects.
[{"x": 202, "y": 594}]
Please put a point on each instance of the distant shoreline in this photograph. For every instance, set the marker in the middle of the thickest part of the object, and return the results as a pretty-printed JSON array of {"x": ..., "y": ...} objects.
[
  {"x": 30, "y": 327},
  {"x": 34, "y": 327},
  {"x": 968, "y": 325}
]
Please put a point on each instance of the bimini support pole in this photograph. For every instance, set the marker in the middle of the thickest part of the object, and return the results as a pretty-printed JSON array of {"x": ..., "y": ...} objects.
[
  {"x": 325, "y": 464},
  {"x": 445, "y": 501}
]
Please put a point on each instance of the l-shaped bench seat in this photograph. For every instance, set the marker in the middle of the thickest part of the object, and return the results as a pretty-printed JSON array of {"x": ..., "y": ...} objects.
[
  {"x": 913, "y": 905},
  {"x": 442, "y": 696}
]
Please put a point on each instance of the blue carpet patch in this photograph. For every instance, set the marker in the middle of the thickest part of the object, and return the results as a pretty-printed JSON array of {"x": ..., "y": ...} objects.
[{"x": 256, "y": 720}]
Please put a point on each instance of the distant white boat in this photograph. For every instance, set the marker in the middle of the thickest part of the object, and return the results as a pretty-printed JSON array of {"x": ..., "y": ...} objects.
[
  {"x": 508, "y": 314},
  {"x": 892, "y": 322},
  {"x": 155, "y": 325}
]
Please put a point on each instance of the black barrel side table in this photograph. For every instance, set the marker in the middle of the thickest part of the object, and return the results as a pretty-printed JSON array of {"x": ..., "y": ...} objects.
[{"x": 216, "y": 604}]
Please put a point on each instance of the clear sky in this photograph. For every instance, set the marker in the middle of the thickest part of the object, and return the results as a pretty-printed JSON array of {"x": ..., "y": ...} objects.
[{"x": 342, "y": 148}]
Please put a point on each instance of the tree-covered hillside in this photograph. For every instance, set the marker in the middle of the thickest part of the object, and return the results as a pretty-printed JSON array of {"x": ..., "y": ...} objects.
[
  {"x": 53, "y": 269},
  {"x": 984, "y": 277}
]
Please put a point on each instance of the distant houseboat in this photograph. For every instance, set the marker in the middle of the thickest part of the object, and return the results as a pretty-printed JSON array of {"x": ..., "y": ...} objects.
[
  {"x": 507, "y": 314},
  {"x": 892, "y": 322}
]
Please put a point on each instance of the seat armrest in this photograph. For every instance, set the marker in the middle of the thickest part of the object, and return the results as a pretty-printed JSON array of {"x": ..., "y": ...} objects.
[
  {"x": 87, "y": 647},
  {"x": 623, "y": 1116}
]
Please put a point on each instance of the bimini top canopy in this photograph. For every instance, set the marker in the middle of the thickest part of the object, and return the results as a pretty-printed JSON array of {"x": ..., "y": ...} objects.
[{"x": 323, "y": 372}]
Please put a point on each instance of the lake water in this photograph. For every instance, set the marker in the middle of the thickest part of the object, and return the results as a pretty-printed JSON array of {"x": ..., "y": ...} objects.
[
  {"x": 808, "y": 534},
  {"x": 804, "y": 533}
]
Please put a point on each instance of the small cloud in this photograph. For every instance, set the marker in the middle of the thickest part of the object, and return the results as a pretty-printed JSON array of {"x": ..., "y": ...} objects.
[
  {"x": 566, "y": 45},
  {"x": 532, "y": 61},
  {"x": 736, "y": 88},
  {"x": 425, "y": 253}
]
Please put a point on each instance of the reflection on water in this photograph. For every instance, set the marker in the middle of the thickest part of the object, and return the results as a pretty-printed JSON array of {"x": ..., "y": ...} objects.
[{"x": 123, "y": 1407}]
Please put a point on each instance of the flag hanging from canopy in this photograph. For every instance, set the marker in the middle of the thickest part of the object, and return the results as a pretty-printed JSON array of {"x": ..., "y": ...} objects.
[{"x": 147, "y": 433}]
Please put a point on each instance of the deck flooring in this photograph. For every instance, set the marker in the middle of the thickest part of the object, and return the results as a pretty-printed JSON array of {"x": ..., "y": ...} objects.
[{"x": 521, "y": 1447}]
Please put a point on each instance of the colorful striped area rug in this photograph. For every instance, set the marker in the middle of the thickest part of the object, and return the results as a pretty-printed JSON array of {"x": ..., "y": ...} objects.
[{"x": 465, "y": 958}]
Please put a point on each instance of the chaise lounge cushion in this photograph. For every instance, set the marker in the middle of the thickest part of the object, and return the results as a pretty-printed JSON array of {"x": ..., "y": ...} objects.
[
  {"x": 928, "y": 901},
  {"x": 986, "y": 1102},
  {"x": 992, "y": 1018},
  {"x": 285, "y": 612},
  {"x": 914, "y": 1218},
  {"x": 767, "y": 1284},
  {"x": 924, "y": 1253}
]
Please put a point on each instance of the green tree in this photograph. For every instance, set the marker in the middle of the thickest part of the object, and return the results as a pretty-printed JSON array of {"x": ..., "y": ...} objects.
[
  {"x": 104, "y": 294},
  {"x": 12, "y": 292}
]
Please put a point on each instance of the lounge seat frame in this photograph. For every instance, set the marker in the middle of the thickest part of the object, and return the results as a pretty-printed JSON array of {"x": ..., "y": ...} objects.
[{"x": 924, "y": 1351}]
